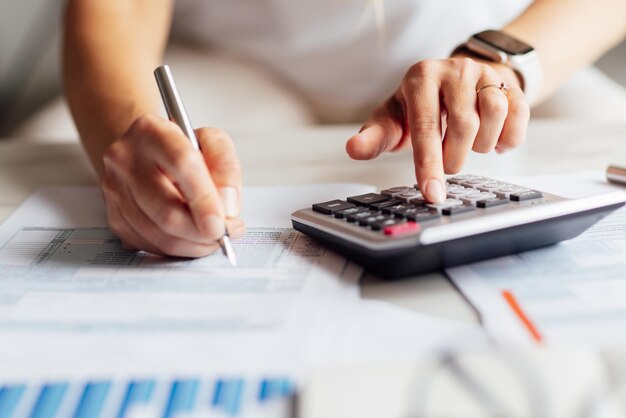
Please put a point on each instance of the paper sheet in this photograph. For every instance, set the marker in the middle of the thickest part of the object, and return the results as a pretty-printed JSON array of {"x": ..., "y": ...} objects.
[
  {"x": 81, "y": 280},
  {"x": 74, "y": 304},
  {"x": 573, "y": 291},
  {"x": 65, "y": 279}
]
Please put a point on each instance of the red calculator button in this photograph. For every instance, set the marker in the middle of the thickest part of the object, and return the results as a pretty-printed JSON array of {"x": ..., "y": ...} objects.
[{"x": 401, "y": 229}]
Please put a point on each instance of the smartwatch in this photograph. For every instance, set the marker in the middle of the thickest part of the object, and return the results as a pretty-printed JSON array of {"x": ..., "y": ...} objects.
[{"x": 497, "y": 46}]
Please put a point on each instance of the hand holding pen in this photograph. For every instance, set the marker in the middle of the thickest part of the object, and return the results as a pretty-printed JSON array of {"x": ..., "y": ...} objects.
[
  {"x": 177, "y": 113},
  {"x": 166, "y": 197}
]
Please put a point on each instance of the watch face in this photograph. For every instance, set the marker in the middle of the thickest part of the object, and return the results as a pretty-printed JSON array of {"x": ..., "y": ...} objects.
[{"x": 504, "y": 42}]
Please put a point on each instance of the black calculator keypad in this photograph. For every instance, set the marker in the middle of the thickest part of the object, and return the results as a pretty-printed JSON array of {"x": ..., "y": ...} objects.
[{"x": 398, "y": 211}]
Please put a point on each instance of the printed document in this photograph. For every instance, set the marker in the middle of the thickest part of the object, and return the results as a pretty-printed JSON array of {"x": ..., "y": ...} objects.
[
  {"x": 65, "y": 280},
  {"x": 573, "y": 291},
  {"x": 74, "y": 303}
]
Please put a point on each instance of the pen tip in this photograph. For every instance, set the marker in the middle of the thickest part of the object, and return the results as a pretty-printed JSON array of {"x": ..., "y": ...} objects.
[{"x": 229, "y": 251}]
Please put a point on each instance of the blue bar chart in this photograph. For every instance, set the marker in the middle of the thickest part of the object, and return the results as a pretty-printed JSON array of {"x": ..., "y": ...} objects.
[{"x": 158, "y": 398}]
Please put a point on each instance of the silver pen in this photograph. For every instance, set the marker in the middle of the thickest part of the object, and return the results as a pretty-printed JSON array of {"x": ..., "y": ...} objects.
[{"x": 176, "y": 112}]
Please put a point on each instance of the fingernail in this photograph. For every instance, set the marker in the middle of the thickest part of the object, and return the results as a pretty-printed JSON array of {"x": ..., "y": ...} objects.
[
  {"x": 500, "y": 150},
  {"x": 214, "y": 226},
  {"x": 434, "y": 190},
  {"x": 230, "y": 201},
  {"x": 364, "y": 135}
]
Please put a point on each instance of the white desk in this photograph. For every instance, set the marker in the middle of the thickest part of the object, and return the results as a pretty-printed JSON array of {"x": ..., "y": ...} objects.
[{"x": 317, "y": 155}]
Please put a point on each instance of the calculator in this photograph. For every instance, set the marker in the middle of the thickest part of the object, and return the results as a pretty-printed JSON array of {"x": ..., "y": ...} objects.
[{"x": 397, "y": 233}]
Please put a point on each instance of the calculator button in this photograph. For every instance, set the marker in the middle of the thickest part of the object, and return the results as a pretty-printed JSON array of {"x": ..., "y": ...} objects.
[
  {"x": 350, "y": 211},
  {"x": 381, "y": 205},
  {"x": 456, "y": 210},
  {"x": 452, "y": 186},
  {"x": 396, "y": 208},
  {"x": 472, "y": 198},
  {"x": 419, "y": 201},
  {"x": 491, "y": 186},
  {"x": 401, "y": 229},
  {"x": 475, "y": 182},
  {"x": 490, "y": 203},
  {"x": 424, "y": 216},
  {"x": 327, "y": 208},
  {"x": 377, "y": 226},
  {"x": 527, "y": 195},
  {"x": 367, "y": 221},
  {"x": 410, "y": 211},
  {"x": 507, "y": 190},
  {"x": 395, "y": 190},
  {"x": 448, "y": 203},
  {"x": 459, "y": 191},
  {"x": 367, "y": 199},
  {"x": 461, "y": 177},
  {"x": 360, "y": 215},
  {"x": 409, "y": 195}
]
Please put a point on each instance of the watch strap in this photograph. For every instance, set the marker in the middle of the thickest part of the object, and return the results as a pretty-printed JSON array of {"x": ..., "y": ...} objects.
[{"x": 527, "y": 66}]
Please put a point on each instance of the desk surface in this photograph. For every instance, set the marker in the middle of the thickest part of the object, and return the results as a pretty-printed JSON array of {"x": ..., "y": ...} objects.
[{"x": 314, "y": 155}]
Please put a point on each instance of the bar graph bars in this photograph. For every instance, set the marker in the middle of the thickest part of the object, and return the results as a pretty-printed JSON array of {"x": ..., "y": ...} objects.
[{"x": 147, "y": 398}]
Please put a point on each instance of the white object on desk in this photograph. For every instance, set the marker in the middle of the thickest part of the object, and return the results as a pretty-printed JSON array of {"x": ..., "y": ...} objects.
[{"x": 537, "y": 383}]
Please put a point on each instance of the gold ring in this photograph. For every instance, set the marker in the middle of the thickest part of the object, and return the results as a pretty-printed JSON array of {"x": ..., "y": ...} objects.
[{"x": 502, "y": 87}]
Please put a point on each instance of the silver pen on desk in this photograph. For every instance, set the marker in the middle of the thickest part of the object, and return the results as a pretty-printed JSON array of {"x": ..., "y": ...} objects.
[{"x": 176, "y": 112}]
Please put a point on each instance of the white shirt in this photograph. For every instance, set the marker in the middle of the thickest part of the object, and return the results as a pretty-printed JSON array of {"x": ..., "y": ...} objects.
[{"x": 332, "y": 51}]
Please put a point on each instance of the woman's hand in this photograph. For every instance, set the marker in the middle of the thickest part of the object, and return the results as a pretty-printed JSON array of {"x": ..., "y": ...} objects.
[
  {"x": 165, "y": 197},
  {"x": 436, "y": 89}
]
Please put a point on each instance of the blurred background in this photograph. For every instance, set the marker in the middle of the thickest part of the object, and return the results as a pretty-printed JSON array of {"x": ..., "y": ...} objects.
[
  {"x": 30, "y": 34},
  {"x": 29, "y": 57}
]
